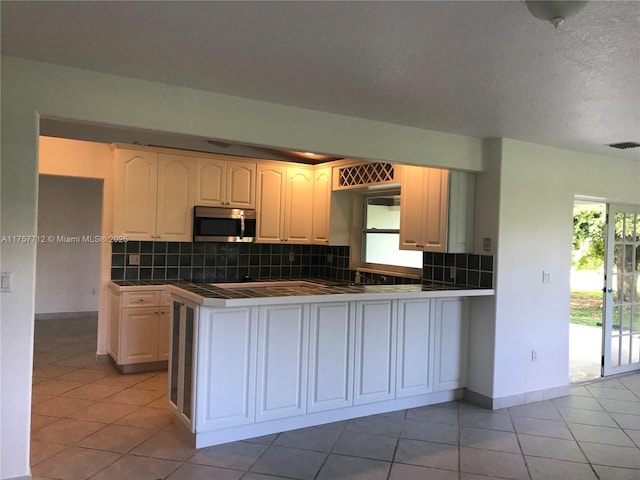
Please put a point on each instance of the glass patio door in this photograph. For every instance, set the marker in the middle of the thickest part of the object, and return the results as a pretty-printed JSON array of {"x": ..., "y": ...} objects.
[{"x": 621, "y": 335}]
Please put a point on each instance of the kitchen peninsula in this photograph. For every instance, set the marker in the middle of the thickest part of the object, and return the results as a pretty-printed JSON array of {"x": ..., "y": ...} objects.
[{"x": 252, "y": 359}]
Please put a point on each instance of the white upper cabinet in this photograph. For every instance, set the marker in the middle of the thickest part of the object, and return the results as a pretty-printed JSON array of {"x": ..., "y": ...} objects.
[
  {"x": 175, "y": 198},
  {"x": 284, "y": 204},
  {"x": 298, "y": 205},
  {"x": 154, "y": 196},
  {"x": 436, "y": 210},
  {"x": 270, "y": 203},
  {"x": 225, "y": 183},
  {"x": 330, "y": 210},
  {"x": 136, "y": 191},
  {"x": 321, "y": 205},
  {"x": 423, "y": 209}
]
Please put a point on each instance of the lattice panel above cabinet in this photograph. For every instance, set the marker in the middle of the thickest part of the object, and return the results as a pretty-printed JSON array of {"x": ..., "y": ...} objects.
[{"x": 364, "y": 174}]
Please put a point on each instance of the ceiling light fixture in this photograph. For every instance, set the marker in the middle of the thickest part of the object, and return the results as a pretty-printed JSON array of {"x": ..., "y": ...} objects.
[{"x": 554, "y": 12}]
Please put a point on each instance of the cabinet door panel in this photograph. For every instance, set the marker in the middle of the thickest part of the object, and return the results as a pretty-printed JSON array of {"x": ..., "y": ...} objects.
[
  {"x": 136, "y": 194},
  {"x": 375, "y": 362},
  {"x": 210, "y": 182},
  {"x": 164, "y": 334},
  {"x": 241, "y": 184},
  {"x": 330, "y": 356},
  {"x": 176, "y": 179},
  {"x": 411, "y": 208},
  {"x": 451, "y": 343},
  {"x": 321, "y": 206},
  {"x": 139, "y": 341},
  {"x": 226, "y": 367},
  {"x": 298, "y": 205},
  {"x": 435, "y": 190},
  {"x": 415, "y": 349},
  {"x": 282, "y": 361},
  {"x": 114, "y": 325},
  {"x": 270, "y": 204}
]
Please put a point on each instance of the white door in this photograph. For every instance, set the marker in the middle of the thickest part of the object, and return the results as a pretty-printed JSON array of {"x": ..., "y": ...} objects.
[
  {"x": 283, "y": 348},
  {"x": 621, "y": 335},
  {"x": 451, "y": 334},
  {"x": 331, "y": 342},
  {"x": 226, "y": 367},
  {"x": 414, "y": 372},
  {"x": 375, "y": 361}
]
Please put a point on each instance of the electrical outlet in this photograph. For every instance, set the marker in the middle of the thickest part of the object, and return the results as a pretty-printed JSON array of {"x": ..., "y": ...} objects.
[
  {"x": 546, "y": 277},
  {"x": 452, "y": 272},
  {"x": 534, "y": 355},
  {"x": 134, "y": 259},
  {"x": 486, "y": 244},
  {"x": 329, "y": 257},
  {"x": 292, "y": 256}
]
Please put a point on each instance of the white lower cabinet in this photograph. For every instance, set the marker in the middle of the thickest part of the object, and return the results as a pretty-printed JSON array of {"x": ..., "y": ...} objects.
[
  {"x": 227, "y": 368},
  {"x": 249, "y": 371},
  {"x": 331, "y": 342},
  {"x": 138, "y": 328},
  {"x": 451, "y": 343},
  {"x": 283, "y": 348},
  {"x": 183, "y": 373},
  {"x": 415, "y": 348},
  {"x": 375, "y": 351}
]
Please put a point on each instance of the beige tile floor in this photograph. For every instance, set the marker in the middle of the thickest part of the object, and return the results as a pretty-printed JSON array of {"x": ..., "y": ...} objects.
[{"x": 89, "y": 422}]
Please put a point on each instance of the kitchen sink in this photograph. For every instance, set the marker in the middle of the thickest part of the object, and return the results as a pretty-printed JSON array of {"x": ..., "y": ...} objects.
[{"x": 292, "y": 284}]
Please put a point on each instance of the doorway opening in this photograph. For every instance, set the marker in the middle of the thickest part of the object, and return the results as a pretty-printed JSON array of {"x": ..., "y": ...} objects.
[{"x": 587, "y": 306}]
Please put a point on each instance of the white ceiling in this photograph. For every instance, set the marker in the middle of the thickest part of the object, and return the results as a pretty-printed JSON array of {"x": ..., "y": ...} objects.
[{"x": 478, "y": 68}]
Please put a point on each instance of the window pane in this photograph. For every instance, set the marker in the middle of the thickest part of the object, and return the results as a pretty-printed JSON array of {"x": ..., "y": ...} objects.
[
  {"x": 383, "y": 212},
  {"x": 383, "y": 248}
]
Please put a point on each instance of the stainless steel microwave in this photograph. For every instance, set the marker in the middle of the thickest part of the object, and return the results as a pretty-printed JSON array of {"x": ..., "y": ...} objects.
[{"x": 218, "y": 224}]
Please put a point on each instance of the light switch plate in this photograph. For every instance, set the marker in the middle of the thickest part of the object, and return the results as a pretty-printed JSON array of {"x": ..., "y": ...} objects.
[
  {"x": 134, "y": 259},
  {"x": 5, "y": 281}
]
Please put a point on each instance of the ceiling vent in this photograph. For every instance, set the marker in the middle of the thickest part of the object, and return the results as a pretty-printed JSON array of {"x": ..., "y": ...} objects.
[{"x": 624, "y": 145}]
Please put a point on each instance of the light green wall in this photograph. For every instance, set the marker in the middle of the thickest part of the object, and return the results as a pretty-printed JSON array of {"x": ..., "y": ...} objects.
[
  {"x": 33, "y": 89},
  {"x": 531, "y": 179}
]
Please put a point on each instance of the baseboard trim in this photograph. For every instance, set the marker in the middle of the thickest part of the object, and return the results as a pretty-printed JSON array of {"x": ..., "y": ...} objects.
[
  {"x": 93, "y": 315},
  {"x": 138, "y": 367},
  {"x": 514, "y": 400},
  {"x": 103, "y": 358}
]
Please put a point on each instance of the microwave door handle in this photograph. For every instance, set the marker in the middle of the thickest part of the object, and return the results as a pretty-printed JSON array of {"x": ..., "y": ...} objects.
[{"x": 241, "y": 226}]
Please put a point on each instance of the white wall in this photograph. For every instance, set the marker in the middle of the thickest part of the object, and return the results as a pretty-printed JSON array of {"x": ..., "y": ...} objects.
[
  {"x": 68, "y": 274},
  {"x": 537, "y": 188},
  {"x": 92, "y": 160}
]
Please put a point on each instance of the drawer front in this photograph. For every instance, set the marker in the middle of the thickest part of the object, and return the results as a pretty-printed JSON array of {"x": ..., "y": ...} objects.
[
  {"x": 139, "y": 299},
  {"x": 165, "y": 298}
]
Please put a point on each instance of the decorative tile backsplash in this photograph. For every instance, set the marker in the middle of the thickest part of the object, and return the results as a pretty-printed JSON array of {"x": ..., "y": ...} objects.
[
  {"x": 208, "y": 262},
  {"x": 469, "y": 270}
]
